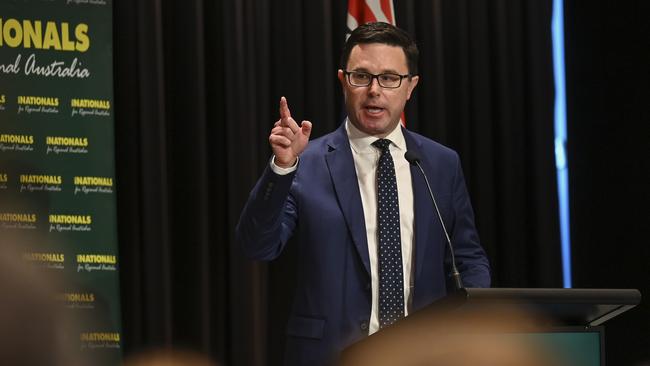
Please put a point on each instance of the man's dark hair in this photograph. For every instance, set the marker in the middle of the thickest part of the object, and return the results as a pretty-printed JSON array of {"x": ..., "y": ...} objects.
[{"x": 386, "y": 34}]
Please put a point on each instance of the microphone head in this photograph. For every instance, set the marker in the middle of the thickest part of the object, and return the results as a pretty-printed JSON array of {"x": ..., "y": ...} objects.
[{"x": 412, "y": 157}]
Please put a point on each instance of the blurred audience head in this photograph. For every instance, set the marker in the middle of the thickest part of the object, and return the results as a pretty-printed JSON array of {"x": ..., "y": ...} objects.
[
  {"x": 489, "y": 337},
  {"x": 33, "y": 325},
  {"x": 169, "y": 357}
]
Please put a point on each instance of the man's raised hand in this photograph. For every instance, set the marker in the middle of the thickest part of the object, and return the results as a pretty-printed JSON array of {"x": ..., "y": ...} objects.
[{"x": 288, "y": 140}]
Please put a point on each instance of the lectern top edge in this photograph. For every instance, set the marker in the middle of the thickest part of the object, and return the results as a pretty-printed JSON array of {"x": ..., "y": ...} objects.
[{"x": 554, "y": 295}]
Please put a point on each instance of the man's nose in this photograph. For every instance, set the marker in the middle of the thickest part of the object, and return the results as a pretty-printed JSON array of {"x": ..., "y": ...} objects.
[{"x": 374, "y": 87}]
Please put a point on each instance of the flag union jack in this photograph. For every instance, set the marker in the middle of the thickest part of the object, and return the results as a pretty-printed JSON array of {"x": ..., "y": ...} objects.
[{"x": 366, "y": 11}]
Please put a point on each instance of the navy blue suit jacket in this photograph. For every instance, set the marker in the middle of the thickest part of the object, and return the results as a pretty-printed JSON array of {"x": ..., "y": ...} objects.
[{"x": 320, "y": 204}]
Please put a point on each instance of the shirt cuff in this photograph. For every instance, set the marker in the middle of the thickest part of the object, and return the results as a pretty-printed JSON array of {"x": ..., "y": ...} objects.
[{"x": 283, "y": 171}]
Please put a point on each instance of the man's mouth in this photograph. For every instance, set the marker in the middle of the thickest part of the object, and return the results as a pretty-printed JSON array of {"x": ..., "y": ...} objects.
[{"x": 373, "y": 109}]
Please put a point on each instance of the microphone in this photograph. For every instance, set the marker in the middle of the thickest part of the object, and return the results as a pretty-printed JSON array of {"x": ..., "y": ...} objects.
[{"x": 414, "y": 159}]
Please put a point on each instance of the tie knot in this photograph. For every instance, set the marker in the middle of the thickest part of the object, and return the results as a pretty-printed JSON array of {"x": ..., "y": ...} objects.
[{"x": 382, "y": 144}]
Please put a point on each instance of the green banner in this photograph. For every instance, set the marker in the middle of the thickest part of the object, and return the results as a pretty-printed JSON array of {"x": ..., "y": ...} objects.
[{"x": 57, "y": 182}]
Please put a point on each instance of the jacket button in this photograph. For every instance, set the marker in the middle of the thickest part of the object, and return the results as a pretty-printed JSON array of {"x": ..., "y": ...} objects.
[{"x": 364, "y": 325}]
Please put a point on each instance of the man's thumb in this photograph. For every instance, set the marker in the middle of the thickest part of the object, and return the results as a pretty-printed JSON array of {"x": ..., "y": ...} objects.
[{"x": 306, "y": 128}]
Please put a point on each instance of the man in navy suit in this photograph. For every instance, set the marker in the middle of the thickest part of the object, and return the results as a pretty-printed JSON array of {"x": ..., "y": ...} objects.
[{"x": 328, "y": 194}]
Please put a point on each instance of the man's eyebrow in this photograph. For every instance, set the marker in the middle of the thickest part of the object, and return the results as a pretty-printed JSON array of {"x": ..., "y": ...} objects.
[{"x": 385, "y": 71}]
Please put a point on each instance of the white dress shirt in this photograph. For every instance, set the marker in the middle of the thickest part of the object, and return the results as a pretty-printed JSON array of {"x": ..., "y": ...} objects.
[{"x": 366, "y": 158}]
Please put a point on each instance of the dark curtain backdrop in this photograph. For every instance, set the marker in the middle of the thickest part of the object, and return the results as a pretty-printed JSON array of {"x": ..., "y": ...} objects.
[
  {"x": 197, "y": 85},
  {"x": 608, "y": 53}
]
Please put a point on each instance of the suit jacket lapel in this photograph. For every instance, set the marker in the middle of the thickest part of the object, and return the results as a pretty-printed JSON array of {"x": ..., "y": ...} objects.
[
  {"x": 421, "y": 205},
  {"x": 346, "y": 185}
]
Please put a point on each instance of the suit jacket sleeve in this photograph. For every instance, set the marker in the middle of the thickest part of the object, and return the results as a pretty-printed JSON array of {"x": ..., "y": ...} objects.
[
  {"x": 471, "y": 259},
  {"x": 268, "y": 218}
]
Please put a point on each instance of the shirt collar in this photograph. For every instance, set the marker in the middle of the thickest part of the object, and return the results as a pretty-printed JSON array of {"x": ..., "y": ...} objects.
[{"x": 361, "y": 142}]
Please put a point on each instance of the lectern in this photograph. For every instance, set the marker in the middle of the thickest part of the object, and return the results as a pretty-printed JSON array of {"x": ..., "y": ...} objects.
[{"x": 500, "y": 326}]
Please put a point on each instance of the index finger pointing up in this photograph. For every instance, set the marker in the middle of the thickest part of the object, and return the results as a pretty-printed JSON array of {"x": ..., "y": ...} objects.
[
  {"x": 284, "y": 109},
  {"x": 285, "y": 116}
]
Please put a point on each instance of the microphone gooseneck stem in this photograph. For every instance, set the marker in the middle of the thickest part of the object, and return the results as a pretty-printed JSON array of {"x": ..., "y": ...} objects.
[{"x": 458, "y": 282}]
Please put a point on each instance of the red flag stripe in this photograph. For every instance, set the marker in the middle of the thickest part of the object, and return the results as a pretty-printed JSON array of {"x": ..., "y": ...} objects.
[
  {"x": 361, "y": 12},
  {"x": 387, "y": 8},
  {"x": 368, "y": 15},
  {"x": 364, "y": 11}
]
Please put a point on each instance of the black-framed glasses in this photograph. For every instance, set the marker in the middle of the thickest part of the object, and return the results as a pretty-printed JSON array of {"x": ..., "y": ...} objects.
[{"x": 385, "y": 80}]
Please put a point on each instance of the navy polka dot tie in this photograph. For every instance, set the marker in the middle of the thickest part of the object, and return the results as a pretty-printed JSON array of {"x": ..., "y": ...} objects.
[{"x": 391, "y": 278}]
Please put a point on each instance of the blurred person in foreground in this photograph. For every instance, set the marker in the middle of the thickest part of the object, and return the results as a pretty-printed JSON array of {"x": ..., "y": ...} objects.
[
  {"x": 491, "y": 335},
  {"x": 371, "y": 249},
  {"x": 34, "y": 328},
  {"x": 169, "y": 357}
]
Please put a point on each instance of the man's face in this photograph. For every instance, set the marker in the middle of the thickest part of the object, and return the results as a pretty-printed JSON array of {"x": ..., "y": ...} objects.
[{"x": 373, "y": 109}]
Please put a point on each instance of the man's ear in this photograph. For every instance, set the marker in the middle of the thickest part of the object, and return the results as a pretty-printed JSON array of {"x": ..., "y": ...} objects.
[
  {"x": 341, "y": 77},
  {"x": 411, "y": 86}
]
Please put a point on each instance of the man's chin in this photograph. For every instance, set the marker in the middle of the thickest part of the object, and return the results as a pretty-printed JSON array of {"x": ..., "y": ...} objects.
[
  {"x": 376, "y": 127},
  {"x": 378, "y": 131}
]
